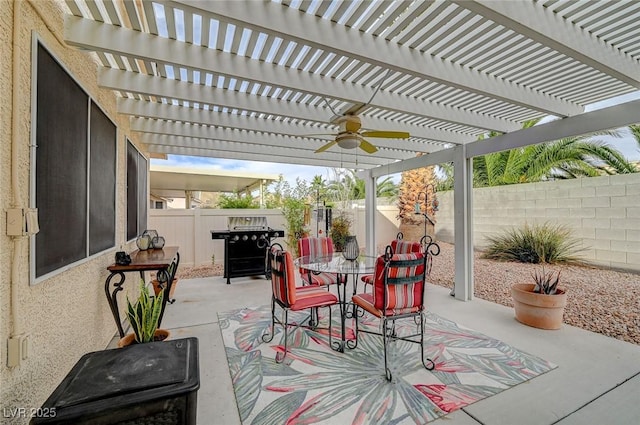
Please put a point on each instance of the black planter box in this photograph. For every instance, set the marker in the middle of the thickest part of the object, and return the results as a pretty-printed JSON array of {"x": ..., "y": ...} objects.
[{"x": 153, "y": 383}]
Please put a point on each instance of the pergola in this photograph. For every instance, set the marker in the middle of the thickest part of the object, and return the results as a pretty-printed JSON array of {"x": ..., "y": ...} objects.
[
  {"x": 252, "y": 80},
  {"x": 170, "y": 181}
]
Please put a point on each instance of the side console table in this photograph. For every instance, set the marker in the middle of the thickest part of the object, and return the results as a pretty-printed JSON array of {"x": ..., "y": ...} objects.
[{"x": 163, "y": 261}]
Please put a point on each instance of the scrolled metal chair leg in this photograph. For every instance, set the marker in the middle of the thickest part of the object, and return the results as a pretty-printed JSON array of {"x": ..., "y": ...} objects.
[
  {"x": 431, "y": 365},
  {"x": 330, "y": 325},
  {"x": 387, "y": 371},
  {"x": 268, "y": 337},
  {"x": 355, "y": 318},
  {"x": 280, "y": 356}
]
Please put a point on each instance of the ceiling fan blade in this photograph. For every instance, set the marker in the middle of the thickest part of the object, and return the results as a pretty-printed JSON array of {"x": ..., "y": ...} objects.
[
  {"x": 314, "y": 134},
  {"x": 327, "y": 146},
  {"x": 367, "y": 147},
  {"x": 386, "y": 134}
]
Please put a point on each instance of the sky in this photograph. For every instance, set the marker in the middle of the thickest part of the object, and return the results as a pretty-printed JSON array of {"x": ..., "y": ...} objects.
[{"x": 627, "y": 145}]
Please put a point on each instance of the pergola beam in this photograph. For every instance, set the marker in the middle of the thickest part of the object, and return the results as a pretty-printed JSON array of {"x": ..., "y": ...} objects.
[
  {"x": 173, "y": 149},
  {"x": 91, "y": 35},
  {"x": 251, "y": 141},
  {"x": 291, "y": 24},
  {"x": 602, "y": 119},
  {"x": 541, "y": 25},
  {"x": 159, "y": 111},
  {"x": 612, "y": 117}
]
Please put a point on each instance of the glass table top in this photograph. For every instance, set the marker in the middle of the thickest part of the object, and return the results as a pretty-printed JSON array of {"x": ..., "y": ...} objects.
[{"x": 336, "y": 263}]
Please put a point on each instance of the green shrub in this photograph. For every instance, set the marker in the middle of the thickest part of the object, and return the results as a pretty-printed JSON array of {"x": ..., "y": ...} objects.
[
  {"x": 545, "y": 243},
  {"x": 340, "y": 229},
  {"x": 237, "y": 200}
]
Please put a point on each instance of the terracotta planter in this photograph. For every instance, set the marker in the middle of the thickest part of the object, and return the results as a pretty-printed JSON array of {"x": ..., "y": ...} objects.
[
  {"x": 129, "y": 339},
  {"x": 156, "y": 288},
  {"x": 538, "y": 310}
]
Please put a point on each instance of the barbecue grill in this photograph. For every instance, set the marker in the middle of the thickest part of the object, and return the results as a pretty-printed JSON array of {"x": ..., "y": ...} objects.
[{"x": 246, "y": 241}]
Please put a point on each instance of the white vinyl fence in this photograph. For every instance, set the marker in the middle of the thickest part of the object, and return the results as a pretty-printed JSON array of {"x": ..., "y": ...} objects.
[{"x": 603, "y": 212}]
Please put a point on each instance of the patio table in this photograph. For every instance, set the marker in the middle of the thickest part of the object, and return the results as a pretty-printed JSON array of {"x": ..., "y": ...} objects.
[
  {"x": 336, "y": 263},
  {"x": 158, "y": 260}
]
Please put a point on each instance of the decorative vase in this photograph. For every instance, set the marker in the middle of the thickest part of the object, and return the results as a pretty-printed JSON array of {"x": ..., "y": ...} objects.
[
  {"x": 538, "y": 310},
  {"x": 157, "y": 242},
  {"x": 351, "y": 250},
  {"x": 151, "y": 233},
  {"x": 130, "y": 339},
  {"x": 143, "y": 242}
]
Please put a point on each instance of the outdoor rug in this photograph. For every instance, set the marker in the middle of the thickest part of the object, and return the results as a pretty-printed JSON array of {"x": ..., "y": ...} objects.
[{"x": 316, "y": 385}]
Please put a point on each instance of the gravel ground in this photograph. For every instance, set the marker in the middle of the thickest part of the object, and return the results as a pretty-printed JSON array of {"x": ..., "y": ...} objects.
[{"x": 599, "y": 300}]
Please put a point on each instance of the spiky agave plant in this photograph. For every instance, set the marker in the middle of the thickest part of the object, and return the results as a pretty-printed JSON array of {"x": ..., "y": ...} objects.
[
  {"x": 144, "y": 314},
  {"x": 546, "y": 282}
]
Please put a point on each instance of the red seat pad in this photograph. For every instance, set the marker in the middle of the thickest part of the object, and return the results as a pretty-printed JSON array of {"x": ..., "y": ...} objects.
[
  {"x": 312, "y": 296},
  {"x": 322, "y": 278},
  {"x": 366, "y": 302}
]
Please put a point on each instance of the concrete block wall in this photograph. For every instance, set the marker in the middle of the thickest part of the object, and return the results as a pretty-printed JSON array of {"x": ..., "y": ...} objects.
[{"x": 603, "y": 213}]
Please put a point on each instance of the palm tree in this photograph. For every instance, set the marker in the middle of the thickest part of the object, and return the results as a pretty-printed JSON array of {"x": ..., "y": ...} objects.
[
  {"x": 347, "y": 186},
  {"x": 562, "y": 159},
  {"x": 412, "y": 184},
  {"x": 635, "y": 132}
]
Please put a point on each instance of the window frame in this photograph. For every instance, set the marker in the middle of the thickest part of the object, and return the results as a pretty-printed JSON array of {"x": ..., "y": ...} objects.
[
  {"x": 142, "y": 205},
  {"x": 36, "y": 43}
]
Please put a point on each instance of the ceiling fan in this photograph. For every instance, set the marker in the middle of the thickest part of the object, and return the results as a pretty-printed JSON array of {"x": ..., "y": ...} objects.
[{"x": 349, "y": 135}]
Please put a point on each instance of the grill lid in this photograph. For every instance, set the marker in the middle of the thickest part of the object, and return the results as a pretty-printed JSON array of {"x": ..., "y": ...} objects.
[{"x": 247, "y": 223}]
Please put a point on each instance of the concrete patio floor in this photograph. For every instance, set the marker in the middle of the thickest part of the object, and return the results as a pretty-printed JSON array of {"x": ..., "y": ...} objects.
[{"x": 597, "y": 380}]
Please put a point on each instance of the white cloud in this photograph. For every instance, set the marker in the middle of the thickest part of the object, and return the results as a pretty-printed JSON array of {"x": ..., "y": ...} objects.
[{"x": 289, "y": 171}]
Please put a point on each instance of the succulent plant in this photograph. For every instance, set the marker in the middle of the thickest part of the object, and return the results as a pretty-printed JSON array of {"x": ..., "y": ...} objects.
[
  {"x": 144, "y": 314},
  {"x": 546, "y": 282}
]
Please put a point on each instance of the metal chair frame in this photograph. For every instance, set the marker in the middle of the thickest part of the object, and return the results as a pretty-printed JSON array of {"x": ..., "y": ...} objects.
[
  {"x": 388, "y": 322},
  {"x": 278, "y": 254}
]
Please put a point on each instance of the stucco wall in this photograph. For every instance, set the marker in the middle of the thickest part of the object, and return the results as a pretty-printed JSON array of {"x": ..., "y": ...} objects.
[
  {"x": 67, "y": 315},
  {"x": 603, "y": 213}
]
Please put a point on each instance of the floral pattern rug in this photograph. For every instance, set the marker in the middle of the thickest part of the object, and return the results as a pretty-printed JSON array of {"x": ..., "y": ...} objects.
[{"x": 316, "y": 385}]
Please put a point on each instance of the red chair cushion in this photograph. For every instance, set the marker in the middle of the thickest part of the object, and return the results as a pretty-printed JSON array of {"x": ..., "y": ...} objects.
[
  {"x": 283, "y": 280},
  {"x": 400, "y": 246},
  {"x": 312, "y": 296},
  {"x": 366, "y": 302},
  {"x": 399, "y": 296},
  {"x": 316, "y": 247},
  {"x": 321, "y": 278}
]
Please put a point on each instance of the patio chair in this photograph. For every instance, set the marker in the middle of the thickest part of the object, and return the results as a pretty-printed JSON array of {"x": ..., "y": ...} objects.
[
  {"x": 398, "y": 293},
  {"x": 318, "y": 247},
  {"x": 398, "y": 246},
  {"x": 290, "y": 297}
]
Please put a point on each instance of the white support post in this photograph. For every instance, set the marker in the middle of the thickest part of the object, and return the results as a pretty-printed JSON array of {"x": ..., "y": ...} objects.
[
  {"x": 370, "y": 212},
  {"x": 463, "y": 224},
  {"x": 188, "y": 195}
]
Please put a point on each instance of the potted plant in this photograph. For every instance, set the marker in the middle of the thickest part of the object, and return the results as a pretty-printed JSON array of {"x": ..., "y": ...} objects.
[
  {"x": 540, "y": 304},
  {"x": 143, "y": 316},
  {"x": 340, "y": 230}
]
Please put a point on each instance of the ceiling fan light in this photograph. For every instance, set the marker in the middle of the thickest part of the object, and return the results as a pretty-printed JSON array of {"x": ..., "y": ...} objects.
[{"x": 348, "y": 141}]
